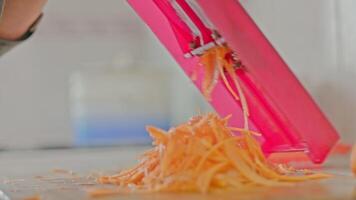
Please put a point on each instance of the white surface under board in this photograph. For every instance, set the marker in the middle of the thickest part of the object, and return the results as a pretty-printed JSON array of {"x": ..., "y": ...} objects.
[{"x": 19, "y": 169}]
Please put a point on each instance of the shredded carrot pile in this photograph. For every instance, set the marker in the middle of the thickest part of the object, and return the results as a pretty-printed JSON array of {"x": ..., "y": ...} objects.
[
  {"x": 202, "y": 155},
  {"x": 353, "y": 159}
]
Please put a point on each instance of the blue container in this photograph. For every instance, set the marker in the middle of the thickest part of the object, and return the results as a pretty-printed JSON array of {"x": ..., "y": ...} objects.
[
  {"x": 94, "y": 131},
  {"x": 114, "y": 106}
]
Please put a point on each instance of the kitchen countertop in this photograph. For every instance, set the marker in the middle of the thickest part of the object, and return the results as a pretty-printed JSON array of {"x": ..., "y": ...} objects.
[{"x": 26, "y": 173}]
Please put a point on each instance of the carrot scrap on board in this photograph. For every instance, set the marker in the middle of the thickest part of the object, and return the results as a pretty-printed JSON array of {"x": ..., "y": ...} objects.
[
  {"x": 287, "y": 157},
  {"x": 35, "y": 197},
  {"x": 101, "y": 192},
  {"x": 341, "y": 148},
  {"x": 63, "y": 171},
  {"x": 353, "y": 159}
]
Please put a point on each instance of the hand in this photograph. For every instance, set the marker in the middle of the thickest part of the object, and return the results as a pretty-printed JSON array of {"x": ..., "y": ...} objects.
[{"x": 18, "y": 16}]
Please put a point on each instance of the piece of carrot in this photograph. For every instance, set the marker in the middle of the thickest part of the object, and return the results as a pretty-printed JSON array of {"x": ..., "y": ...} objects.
[
  {"x": 35, "y": 197},
  {"x": 102, "y": 192},
  {"x": 341, "y": 148},
  {"x": 353, "y": 159}
]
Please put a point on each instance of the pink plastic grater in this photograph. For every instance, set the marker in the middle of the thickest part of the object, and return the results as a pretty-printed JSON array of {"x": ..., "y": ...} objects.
[{"x": 280, "y": 108}]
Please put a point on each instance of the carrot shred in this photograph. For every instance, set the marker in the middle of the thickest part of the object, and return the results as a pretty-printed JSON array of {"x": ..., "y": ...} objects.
[
  {"x": 102, "y": 192},
  {"x": 241, "y": 129},
  {"x": 353, "y": 159},
  {"x": 341, "y": 148},
  {"x": 210, "y": 75},
  {"x": 287, "y": 157},
  {"x": 63, "y": 171},
  {"x": 35, "y": 197},
  {"x": 214, "y": 60}
]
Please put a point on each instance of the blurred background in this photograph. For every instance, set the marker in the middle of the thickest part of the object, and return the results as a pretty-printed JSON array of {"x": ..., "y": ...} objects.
[{"x": 93, "y": 74}]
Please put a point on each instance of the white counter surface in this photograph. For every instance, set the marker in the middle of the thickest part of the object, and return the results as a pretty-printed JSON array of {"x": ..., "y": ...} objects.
[{"x": 18, "y": 171}]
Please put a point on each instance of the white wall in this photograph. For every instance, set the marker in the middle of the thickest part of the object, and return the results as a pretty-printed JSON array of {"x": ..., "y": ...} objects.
[
  {"x": 34, "y": 77},
  {"x": 315, "y": 37}
]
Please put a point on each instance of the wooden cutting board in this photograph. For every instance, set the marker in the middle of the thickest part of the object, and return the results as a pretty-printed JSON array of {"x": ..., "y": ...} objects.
[{"x": 25, "y": 174}]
